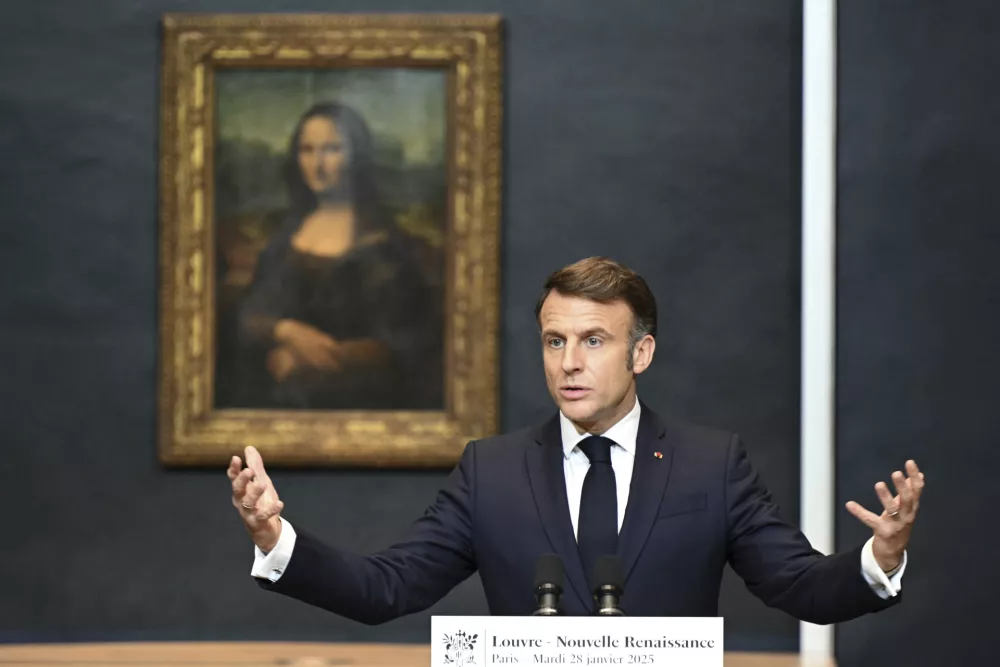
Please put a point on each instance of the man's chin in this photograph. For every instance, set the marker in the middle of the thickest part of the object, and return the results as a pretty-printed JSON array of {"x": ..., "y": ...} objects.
[{"x": 578, "y": 411}]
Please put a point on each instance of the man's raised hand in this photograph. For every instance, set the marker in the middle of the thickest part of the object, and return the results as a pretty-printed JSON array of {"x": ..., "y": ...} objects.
[
  {"x": 256, "y": 500},
  {"x": 891, "y": 528}
]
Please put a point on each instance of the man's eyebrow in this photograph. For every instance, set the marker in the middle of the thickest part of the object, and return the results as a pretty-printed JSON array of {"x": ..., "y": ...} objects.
[
  {"x": 597, "y": 331},
  {"x": 593, "y": 331}
]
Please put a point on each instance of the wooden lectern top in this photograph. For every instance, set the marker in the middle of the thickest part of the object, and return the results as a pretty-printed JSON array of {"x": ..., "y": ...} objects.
[{"x": 275, "y": 654}]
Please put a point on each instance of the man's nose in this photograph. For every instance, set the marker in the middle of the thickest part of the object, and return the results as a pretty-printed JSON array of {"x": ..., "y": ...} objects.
[{"x": 572, "y": 360}]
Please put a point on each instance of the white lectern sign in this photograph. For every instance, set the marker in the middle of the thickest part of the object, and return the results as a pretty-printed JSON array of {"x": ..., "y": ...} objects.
[{"x": 575, "y": 641}]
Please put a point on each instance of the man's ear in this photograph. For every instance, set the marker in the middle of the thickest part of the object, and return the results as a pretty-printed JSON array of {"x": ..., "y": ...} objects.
[{"x": 642, "y": 355}]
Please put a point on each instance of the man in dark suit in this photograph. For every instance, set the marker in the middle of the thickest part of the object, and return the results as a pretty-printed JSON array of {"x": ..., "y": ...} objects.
[{"x": 605, "y": 476}]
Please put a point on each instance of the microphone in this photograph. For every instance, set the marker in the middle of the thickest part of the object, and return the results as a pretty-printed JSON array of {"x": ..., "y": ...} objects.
[
  {"x": 549, "y": 579},
  {"x": 610, "y": 586}
]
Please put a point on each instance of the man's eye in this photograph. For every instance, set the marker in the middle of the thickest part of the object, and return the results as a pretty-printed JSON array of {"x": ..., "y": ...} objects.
[
  {"x": 555, "y": 342},
  {"x": 593, "y": 341}
]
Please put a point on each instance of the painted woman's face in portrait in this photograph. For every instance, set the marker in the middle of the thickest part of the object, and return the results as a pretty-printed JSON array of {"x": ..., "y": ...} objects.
[{"x": 322, "y": 154}]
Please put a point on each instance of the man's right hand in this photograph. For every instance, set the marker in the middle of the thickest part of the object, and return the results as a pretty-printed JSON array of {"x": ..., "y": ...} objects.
[{"x": 256, "y": 500}]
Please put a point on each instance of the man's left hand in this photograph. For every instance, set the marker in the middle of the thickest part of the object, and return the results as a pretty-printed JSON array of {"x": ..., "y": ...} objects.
[{"x": 892, "y": 527}]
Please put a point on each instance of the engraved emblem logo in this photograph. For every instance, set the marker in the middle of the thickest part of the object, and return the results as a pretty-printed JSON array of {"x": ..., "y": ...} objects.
[{"x": 458, "y": 649}]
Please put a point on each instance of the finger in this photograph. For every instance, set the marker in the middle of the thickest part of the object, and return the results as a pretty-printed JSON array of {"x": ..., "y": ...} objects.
[
  {"x": 254, "y": 491},
  {"x": 271, "y": 510},
  {"x": 234, "y": 468},
  {"x": 885, "y": 497},
  {"x": 915, "y": 496},
  {"x": 325, "y": 362},
  {"x": 240, "y": 483},
  {"x": 904, "y": 491},
  {"x": 916, "y": 478},
  {"x": 252, "y": 456},
  {"x": 320, "y": 358},
  {"x": 254, "y": 460},
  {"x": 311, "y": 356},
  {"x": 861, "y": 514}
]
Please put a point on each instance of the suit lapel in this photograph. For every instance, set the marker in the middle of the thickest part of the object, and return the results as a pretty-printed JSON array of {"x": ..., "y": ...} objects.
[
  {"x": 649, "y": 479},
  {"x": 548, "y": 486}
]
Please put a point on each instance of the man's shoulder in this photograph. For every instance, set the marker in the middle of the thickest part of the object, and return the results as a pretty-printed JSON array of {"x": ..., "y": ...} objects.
[
  {"x": 695, "y": 438},
  {"x": 506, "y": 444},
  {"x": 681, "y": 432},
  {"x": 691, "y": 432}
]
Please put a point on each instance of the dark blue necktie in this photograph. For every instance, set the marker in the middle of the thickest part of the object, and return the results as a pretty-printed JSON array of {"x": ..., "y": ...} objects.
[{"x": 597, "y": 529}]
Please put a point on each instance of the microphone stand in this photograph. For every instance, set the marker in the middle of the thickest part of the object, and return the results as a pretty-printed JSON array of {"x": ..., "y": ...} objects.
[
  {"x": 547, "y": 596},
  {"x": 608, "y": 592},
  {"x": 549, "y": 578},
  {"x": 608, "y": 596}
]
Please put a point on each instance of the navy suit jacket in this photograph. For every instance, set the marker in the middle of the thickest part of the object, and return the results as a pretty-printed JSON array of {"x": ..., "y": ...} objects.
[{"x": 700, "y": 506}]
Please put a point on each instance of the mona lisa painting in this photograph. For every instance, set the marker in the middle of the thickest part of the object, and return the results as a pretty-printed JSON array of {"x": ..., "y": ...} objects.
[
  {"x": 341, "y": 307},
  {"x": 329, "y": 231}
]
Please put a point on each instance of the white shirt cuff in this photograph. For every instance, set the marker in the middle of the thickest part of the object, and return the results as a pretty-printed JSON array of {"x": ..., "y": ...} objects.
[
  {"x": 272, "y": 565},
  {"x": 884, "y": 586}
]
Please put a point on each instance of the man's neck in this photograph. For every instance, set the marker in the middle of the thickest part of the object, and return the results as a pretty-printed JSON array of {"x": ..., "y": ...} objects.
[{"x": 600, "y": 426}]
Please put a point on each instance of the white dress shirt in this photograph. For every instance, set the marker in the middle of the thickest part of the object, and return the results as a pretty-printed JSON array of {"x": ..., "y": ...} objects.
[{"x": 575, "y": 466}]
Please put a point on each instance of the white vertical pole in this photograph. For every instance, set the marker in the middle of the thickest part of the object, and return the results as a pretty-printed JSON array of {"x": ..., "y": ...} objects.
[{"x": 819, "y": 98}]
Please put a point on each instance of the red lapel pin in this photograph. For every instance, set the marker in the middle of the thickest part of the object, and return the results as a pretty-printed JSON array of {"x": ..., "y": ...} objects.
[{"x": 658, "y": 455}]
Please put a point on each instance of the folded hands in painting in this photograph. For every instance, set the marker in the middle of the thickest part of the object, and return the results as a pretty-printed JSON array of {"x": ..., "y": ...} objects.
[
  {"x": 299, "y": 345},
  {"x": 303, "y": 346},
  {"x": 256, "y": 499}
]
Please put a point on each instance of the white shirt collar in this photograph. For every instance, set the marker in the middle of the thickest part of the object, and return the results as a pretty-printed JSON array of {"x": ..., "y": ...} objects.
[{"x": 624, "y": 432}]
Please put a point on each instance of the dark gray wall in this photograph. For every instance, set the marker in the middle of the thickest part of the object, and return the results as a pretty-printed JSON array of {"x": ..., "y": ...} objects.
[
  {"x": 919, "y": 371},
  {"x": 662, "y": 133}
]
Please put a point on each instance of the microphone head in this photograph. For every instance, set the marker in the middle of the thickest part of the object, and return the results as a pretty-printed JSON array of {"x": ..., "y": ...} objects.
[
  {"x": 549, "y": 570},
  {"x": 608, "y": 572}
]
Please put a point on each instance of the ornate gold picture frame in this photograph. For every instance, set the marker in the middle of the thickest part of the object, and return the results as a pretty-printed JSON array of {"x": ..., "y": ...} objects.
[{"x": 329, "y": 231}]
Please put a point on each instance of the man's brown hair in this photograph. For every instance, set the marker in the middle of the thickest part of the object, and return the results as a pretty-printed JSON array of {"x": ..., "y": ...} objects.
[{"x": 603, "y": 280}]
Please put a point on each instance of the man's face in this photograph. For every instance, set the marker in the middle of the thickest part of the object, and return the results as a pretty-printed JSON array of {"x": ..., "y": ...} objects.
[{"x": 585, "y": 347}]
